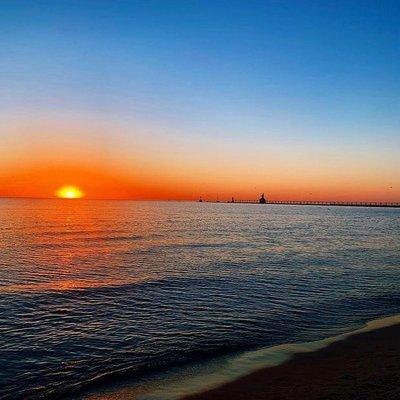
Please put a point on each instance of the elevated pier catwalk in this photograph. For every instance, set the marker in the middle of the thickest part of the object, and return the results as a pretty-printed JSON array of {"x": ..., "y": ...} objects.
[{"x": 324, "y": 203}]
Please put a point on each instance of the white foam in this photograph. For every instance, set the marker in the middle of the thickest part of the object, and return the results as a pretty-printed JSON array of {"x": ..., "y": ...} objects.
[
  {"x": 227, "y": 369},
  {"x": 199, "y": 377}
]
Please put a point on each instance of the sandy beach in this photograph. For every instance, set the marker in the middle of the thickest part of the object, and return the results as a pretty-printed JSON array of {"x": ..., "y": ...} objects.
[{"x": 363, "y": 366}]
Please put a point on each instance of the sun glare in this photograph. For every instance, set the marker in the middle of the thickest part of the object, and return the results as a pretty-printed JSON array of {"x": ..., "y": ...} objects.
[{"x": 70, "y": 192}]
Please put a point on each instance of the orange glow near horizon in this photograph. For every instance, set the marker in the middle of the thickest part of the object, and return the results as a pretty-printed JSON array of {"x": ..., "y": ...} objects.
[
  {"x": 70, "y": 192},
  {"x": 39, "y": 159},
  {"x": 99, "y": 181}
]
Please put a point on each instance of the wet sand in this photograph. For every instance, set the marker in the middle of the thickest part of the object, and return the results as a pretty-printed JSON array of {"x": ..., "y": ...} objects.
[{"x": 362, "y": 367}]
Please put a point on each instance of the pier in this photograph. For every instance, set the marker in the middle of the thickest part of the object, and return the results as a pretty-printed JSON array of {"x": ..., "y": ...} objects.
[{"x": 318, "y": 203}]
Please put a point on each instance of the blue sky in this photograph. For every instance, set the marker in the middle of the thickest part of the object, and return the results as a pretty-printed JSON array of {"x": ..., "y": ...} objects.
[{"x": 323, "y": 73}]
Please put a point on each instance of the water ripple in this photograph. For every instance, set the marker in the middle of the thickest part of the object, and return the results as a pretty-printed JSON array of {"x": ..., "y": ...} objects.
[{"x": 95, "y": 290}]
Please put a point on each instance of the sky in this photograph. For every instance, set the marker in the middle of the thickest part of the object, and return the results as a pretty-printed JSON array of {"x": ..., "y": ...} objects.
[{"x": 181, "y": 99}]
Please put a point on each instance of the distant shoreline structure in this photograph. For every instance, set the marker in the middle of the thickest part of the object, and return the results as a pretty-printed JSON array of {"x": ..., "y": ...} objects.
[
  {"x": 283, "y": 202},
  {"x": 263, "y": 200}
]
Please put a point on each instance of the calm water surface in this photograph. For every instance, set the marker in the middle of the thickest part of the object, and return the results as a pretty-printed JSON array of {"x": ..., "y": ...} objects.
[{"x": 96, "y": 289}]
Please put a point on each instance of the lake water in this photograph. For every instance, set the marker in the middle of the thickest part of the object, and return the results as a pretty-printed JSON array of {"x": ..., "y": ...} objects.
[{"x": 91, "y": 290}]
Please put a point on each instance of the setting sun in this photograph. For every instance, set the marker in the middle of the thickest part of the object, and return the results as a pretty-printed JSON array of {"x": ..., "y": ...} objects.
[{"x": 70, "y": 192}]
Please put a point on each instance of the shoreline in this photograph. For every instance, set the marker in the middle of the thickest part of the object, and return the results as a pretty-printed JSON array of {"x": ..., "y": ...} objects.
[
  {"x": 361, "y": 365},
  {"x": 252, "y": 374}
]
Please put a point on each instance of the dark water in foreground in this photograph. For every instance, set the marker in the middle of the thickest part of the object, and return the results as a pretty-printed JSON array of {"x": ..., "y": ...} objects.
[{"x": 93, "y": 289}]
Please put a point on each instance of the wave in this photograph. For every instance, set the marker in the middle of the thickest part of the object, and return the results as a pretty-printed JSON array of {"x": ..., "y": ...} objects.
[{"x": 194, "y": 378}]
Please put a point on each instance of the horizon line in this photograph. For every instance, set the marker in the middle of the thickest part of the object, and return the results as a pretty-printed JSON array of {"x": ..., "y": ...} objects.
[{"x": 211, "y": 200}]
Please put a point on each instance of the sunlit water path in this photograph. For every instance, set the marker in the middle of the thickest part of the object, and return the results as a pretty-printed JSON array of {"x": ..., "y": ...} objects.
[{"x": 97, "y": 289}]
